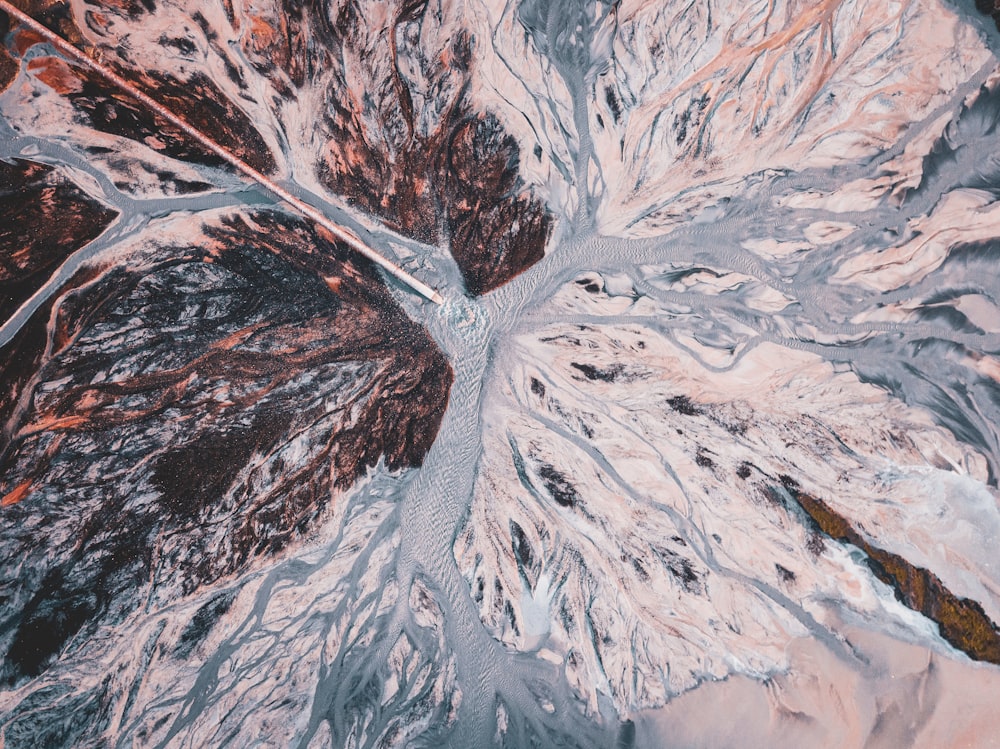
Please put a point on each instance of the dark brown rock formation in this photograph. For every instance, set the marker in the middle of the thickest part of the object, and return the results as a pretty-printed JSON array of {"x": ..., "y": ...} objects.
[
  {"x": 452, "y": 175},
  {"x": 193, "y": 409},
  {"x": 962, "y": 621},
  {"x": 43, "y": 220},
  {"x": 8, "y": 65},
  {"x": 195, "y": 97},
  {"x": 448, "y": 175},
  {"x": 197, "y": 100}
]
